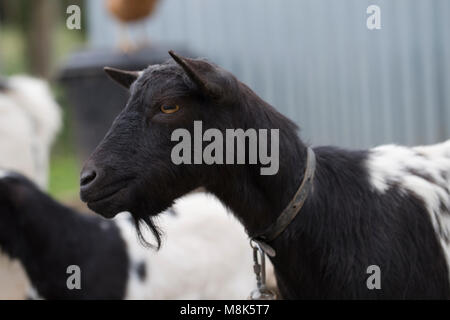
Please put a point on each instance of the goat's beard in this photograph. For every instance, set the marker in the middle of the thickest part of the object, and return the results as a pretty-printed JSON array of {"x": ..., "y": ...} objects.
[
  {"x": 147, "y": 222},
  {"x": 145, "y": 212}
]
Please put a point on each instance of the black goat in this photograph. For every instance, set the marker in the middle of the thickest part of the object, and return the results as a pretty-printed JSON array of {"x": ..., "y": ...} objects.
[{"x": 385, "y": 206}]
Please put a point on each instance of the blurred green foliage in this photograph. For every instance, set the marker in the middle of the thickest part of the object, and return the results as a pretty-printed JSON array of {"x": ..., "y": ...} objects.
[
  {"x": 64, "y": 162},
  {"x": 12, "y": 51}
]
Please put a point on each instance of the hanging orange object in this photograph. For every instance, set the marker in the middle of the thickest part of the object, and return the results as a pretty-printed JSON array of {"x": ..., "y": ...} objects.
[{"x": 131, "y": 10}]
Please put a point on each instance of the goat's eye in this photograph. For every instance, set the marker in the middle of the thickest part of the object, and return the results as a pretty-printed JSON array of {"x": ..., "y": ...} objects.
[{"x": 170, "y": 109}]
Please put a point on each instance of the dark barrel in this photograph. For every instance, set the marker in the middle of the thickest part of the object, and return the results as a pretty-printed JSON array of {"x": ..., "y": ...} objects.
[{"x": 95, "y": 99}]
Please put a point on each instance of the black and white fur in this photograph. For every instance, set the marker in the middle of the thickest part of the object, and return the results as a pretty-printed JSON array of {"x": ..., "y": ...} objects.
[
  {"x": 30, "y": 120},
  {"x": 387, "y": 206},
  {"x": 206, "y": 255}
]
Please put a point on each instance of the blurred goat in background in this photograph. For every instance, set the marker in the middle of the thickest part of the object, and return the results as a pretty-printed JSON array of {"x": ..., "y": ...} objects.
[
  {"x": 205, "y": 255},
  {"x": 30, "y": 120}
]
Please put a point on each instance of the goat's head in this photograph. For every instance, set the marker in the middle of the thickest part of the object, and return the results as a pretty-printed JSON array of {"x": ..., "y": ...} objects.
[{"x": 131, "y": 169}]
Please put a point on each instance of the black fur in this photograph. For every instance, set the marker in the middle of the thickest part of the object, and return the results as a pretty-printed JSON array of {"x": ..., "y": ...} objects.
[
  {"x": 344, "y": 227},
  {"x": 3, "y": 84},
  {"x": 47, "y": 237},
  {"x": 141, "y": 270}
]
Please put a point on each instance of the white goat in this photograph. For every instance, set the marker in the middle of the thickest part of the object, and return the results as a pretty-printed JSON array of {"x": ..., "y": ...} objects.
[{"x": 29, "y": 122}]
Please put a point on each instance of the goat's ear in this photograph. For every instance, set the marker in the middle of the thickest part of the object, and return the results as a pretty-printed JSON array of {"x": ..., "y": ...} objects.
[
  {"x": 196, "y": 73},
  {"x": 122, "y": 77}
]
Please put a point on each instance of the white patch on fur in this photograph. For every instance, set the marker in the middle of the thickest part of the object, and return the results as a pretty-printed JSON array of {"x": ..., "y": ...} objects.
[
  {"x": 205, "y": 254},
  {"x": 29, "y": 122},
  {"x": 14, "y": 281},
  {"x": 3, "y": 173},
  {"x": 423, "y": 171},
  {"x": 33, "y": 294}
]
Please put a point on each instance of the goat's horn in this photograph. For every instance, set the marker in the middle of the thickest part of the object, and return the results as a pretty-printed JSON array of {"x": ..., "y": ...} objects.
[
  {"x": 122, "y": 77},
  {"x": 210, "y": 89}
]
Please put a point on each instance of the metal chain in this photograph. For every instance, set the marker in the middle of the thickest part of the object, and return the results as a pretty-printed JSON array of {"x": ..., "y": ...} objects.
[{"x": 259, "y": 268}]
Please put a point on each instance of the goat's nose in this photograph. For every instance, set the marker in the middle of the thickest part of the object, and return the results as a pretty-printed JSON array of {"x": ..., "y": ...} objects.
[{"x": 88, "y": 176}]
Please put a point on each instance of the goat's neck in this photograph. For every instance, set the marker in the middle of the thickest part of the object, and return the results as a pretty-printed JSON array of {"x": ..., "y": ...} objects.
[{"x": 257, "y": 200}]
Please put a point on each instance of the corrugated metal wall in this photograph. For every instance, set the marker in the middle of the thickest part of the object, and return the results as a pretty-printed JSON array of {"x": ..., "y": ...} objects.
[{"x": 316, "y": 61}]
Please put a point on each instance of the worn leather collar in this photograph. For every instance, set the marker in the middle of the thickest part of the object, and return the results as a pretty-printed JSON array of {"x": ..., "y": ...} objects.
[{"x": 292, "y": 209}]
